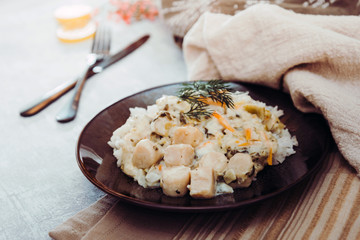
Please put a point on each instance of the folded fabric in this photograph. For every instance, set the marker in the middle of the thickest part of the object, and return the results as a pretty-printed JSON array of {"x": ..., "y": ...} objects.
[
  {"x": 110, "y": 218},
  {"x": 180, "y": 15},
  {"x": 313, "y": 57},
  {"x": 322, "y": 207}
]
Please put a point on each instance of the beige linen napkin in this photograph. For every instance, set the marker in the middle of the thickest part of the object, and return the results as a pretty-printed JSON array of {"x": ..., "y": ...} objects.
[
  {"x": 111, "y": 219},
  {"x": 326, "y": 206},
  {"x": 315, "y": 58}
]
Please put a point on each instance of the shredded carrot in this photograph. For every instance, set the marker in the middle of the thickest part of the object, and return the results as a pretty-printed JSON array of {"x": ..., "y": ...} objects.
[
  {"x": 160, "y": 167},
  {"x": 223, "y": 121},
  {"x": 205, "y": 143},
  {"x": 244, "y": 144},
  {"x": 248, "y": 134},
  {"x": 211, "y": 102},
  {"x": 269, "y": 159},
  {"x": 239, "y": 104}
]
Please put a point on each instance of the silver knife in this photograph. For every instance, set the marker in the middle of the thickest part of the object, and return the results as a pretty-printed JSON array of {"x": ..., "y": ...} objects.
[{"x": 49, "y": 97}]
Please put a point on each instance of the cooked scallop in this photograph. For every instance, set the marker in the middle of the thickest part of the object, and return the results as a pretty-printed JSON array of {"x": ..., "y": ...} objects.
[
  {"x": 162, "y": 124},
  {"x": 214, "y": 160},
  {"x": 145, "y": 154},
  {"x": 179, "y": 154},
  {"x": 202, "y": 183},
  {"x": 174, "y": 181},
  {"x": 240, "y": 164},
  {"x": 229, "y": 176},
  {"x": 188, "y": 135}
]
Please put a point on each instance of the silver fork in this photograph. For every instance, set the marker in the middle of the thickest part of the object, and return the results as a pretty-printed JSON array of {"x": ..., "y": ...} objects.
[{"x": 99, "y": 50}]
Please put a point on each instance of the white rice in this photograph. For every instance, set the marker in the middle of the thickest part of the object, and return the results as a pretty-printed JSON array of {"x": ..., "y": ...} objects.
[{"x": 140, "y": 125}]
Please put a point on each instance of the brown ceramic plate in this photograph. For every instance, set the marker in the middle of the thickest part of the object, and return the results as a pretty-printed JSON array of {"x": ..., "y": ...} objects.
[{"x": 98, "y": 164}]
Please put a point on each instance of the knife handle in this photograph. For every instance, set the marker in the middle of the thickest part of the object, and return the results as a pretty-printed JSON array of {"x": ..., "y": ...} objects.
[
  {"x": 39, "y": 104},
  {"x": 45, "y": 100},
  {"x": 68, "y": 112},
  {"x": 49, "y": 97}
]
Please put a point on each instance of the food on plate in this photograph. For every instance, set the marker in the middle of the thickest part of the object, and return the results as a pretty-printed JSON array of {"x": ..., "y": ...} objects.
[{"x": 206, "y": 141}]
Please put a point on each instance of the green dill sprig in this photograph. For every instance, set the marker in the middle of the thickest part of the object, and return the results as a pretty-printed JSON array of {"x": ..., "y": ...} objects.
[
  {"x": 196, "y": 93},
  {"x": 197, "y": 110}
]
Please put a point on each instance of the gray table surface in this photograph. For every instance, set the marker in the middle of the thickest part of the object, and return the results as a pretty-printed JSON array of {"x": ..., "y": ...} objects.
[{"x": 40, "y": 183}]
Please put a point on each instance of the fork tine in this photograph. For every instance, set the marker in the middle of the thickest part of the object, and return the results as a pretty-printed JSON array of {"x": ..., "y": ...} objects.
[
  {"x": 95, "y": 43},
  {"x": 102, "y": 40},
  {"x": 108, "y": 40},
  {"x": 101, "y": 48}
]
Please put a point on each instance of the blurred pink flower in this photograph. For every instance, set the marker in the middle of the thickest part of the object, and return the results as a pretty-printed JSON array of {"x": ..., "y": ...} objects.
[{"x": 128, "y": 11}]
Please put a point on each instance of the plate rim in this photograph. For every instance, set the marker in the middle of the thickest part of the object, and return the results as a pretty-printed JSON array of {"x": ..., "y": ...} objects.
[{"x": 174, "y": 208}]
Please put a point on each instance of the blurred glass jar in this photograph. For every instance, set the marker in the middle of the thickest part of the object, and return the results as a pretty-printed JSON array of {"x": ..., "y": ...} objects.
[{"x": 75, "y": 23}]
